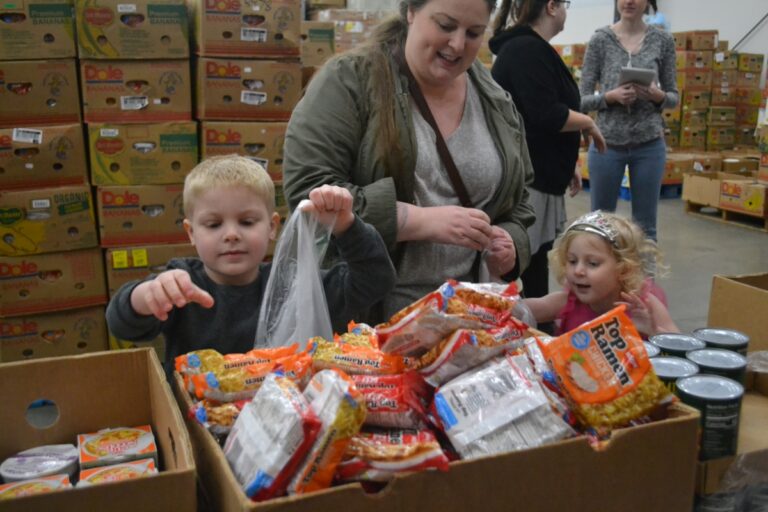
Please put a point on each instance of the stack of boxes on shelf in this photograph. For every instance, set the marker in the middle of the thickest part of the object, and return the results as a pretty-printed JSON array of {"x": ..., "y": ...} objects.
[
  {"x": 573, "y": 57},
  {"x": 52, "y": 287},
  {"x": 351, "y": 27},
  {"x": 694, "y": 82}
]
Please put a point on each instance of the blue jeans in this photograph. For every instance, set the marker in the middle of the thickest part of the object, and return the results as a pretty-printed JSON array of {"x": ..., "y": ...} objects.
[{"x": 646, "y": 169}]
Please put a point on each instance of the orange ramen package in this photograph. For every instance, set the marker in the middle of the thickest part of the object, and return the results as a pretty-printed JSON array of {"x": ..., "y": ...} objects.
[
  {"x": 395, "y": 400},
  {"x": 352, "y": 359},
  {"x": 117, "y": 472},
  {"x": 35, "y": 486},
  {"x": 604, "y": 370},
  {"x": 114, "y": 445}
]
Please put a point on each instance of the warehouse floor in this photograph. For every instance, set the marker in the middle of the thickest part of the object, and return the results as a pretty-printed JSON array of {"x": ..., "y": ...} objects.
[{"x": 695, "y": 249}]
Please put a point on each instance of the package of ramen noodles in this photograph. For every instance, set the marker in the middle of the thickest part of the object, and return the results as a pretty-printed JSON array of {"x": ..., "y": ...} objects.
[
  {"x": 353, "y": 360},
  {"x": 341, "y": 409},
  {"x": 494, "y": 409},
  {"x": 117, "y": 472},
  {"x": 297, "y": 367},
  {"x": 198, "y": 361},
  {"x": 604, "y": 370},
  {"x": 114, "y": 445},
  {"x": 217, "y": 417},
  {"x": 377, "y": 455},
  {"x": 40, "y": 461},
  {"x": 540, "y": 370},
  {"x": 230, "y": 385},
  {"x": 270, "y": 438},
  {"x": 398, "y": 401},
  {"x": 40, "y": 485},
  {"x": 464, "y": 349},
  {"x": 358, "y": 334}
]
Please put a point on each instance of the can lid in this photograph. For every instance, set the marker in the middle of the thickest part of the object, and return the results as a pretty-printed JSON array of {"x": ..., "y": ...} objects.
[
  {"x": 674, "y": 341},
  {"x": 710, "y": 387},
  {"x": 717, "y": 358},
  {"x": 671, "y": 367},
  {"x": 652, "y": 349},
  {"x": 39, "y": 462},
  {"x": 728, "y": 337}
]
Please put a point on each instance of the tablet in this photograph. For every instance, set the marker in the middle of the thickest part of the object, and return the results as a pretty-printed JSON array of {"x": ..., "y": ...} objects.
[{"x": 639, "y": 76}]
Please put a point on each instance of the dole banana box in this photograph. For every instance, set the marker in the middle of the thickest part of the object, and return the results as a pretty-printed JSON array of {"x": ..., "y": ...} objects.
[
  {"x": 747, "y": 115},
  {"x": 751, "y": 62},
  {"x": 725, "y": 78},
  {"x": 37, "y": 29},
  {"x": 701, "y": 59},
  {"x": 261, "y": 142},
  {"x": 40, "y": 283},
  {"x": 46, "y": 220},
  {"x": 248, "y": 28},
  {"x": 702, "y": 40},
  {"x": 125, "y": 264},
  {"x": 42, "y": 156},
  {"x": 317, "y": 42},
  {"x": 71, "y": 332},
  {"x": 721, "y": 137},
  {"x": 39, "y": 92},
  {"x": 749, "y": 79},
  {"x": 745, "y": 197},
  {"x": 142, "y": 154},
  {"x": 721, "y": 116},
  {"x": 143, "y": 29},
  {"x": 676, "y": 165},
  {"x": 140, "y": 214},
  {"x": 725, "y": 60},
  {"x": 141, "y": 91},
  {"x": 247, "y": 90},
  {"x": 690, "y": 79},
  {"x": 696, "y": 99},
  {"x": 723, "y": 96},
  {"x": 693, "y": 137}
]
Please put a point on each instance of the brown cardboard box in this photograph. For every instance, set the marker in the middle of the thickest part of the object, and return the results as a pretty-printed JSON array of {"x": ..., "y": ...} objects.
[
  {"x": 51, "y": 282},
  {"x": 141, "y": 29},
  {"x": 248, "y": 90},
  {"x": 704, "y": 187},
  {"x": 680, "y": 40},
  {"x": 262, "y": 142},
  {"x": 706, "y": 161},
  {"x": 695, "y": 138},
  {"x": 42, "y": 156},
  {"x": 140, "y": 214},
  {"x": 721, "y": 116},
  {"x": 751, "y": 62},
  {"x": 720, "y": 137},
  {"x": 693, "y": 118},
  {"x": 723, "y": 97},
  {"x": 701, "y": 59},
  {"x": 39, "y": 92},
  {"x": 696, "y": 99},
  {"x": 64, "y": 333},
  {"x": 248, "y": 29},
  {"x": 694, "y": 79},
  {"x": 142, "y": 91},
  {"x": 725, "y": 60},
  {"x": 142, "y": 154},
  {"x": 156, "y": 344},
  {"x": 741, "y": 302},
  {"x": 701, "y": 40},
  {"x": 748, "y": 79},
  {"x": 317, "y": 42},
  {"x": 675, "y": 167},
  {"x": 672, "y": 115},
  {"x": 740, "y": 165},
  {"x": 664, "y": 453},
  {"x": 745, "y": 135},
  {"x": 672, "y": 137},
  {"x": 125, "y": 264},
  {"x": 572, "y": 54},
  {"x": 745, "y": 197},
  {"x": 92, "y": 392},
  {"x": 46, "y": 220},
  {"x": 37, "y": 29},
  {"x": 747, "y": 115},
  {"x": 748, "y": 96},
  {"x": 725, "y": 78}
]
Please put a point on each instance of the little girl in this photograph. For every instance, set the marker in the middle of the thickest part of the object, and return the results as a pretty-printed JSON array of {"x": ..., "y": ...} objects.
[{"x": 600, "y": 260}]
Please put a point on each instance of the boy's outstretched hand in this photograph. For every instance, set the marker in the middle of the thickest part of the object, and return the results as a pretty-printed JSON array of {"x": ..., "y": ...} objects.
[
  {"x": 328, "y": 202},
  {"x": 170, "y": 289}
]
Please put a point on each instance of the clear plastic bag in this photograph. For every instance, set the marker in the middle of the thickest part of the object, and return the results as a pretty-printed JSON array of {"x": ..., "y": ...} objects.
[{"x": 294, "y": 308}]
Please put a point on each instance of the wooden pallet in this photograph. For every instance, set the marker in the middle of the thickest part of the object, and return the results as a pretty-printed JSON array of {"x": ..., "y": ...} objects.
[{"x": 727, "y": 216}]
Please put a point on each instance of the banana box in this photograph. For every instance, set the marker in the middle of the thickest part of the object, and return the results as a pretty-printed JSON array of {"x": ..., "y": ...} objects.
[
  {"x": 317, "y": 42},
  {"x": 40, "y": 283},
  {"x": 141, "y": 29},
  {"x": 39, "y": 92},
  {"x": 696, "y": 99},
  {"x": 142, "y": 154},
  {"x": 721, "y": 116},
  {"x": 139, "y": 91},
  {"x": 261, "y": 142},
  {"x": 725, "y": 60},
  {"x": 723, "y": 96},
  {"x": 37, "y": 29},
  {"x": 71, "y": 332},
  {"x": 701, "y": 59},
  {"x": 690, "y": 79},
  {"x": 46, "y": 220},
  {"x": 125, "y": 264},
  {"x": 158, "y": 344},
  {"x": 746, "y": 197}
]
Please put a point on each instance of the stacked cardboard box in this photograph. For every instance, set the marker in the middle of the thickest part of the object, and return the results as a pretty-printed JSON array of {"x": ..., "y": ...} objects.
[
  {"x": 694, "y": 81},
  {"x": 352, "y": 27},
  {"x": 573, "y": 57}
]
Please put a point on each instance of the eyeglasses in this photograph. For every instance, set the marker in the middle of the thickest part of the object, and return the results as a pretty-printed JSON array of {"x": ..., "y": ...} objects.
[{"x": 566, "y": 2}]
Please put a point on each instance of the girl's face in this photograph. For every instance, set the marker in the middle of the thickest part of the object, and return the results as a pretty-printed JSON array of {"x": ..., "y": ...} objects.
[
  {"x": 631, "y": 10},
  {"x": 592, "y": 272}
]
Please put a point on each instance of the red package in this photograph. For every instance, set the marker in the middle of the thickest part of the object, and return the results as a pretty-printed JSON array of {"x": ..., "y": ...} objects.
[{"x": 395, "y": 400}]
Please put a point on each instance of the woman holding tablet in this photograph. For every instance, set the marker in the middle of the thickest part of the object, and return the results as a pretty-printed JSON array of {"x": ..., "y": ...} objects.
[{"x": 629, "y": 113}]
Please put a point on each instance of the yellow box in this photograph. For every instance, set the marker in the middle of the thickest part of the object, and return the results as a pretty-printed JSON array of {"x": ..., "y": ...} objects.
[
  {"x": 746, "y": 197},
  {"x": 751, "y": 62}
]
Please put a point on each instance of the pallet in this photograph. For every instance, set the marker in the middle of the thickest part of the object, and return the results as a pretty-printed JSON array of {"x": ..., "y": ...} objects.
[{"x": 727, "y": 216}]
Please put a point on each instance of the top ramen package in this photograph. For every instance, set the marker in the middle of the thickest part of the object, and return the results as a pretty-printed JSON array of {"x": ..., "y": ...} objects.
[
  {"x": 113, "y": 445},
  {"x": 35, "y": 486},
  {"x": 117, "y": 472}
]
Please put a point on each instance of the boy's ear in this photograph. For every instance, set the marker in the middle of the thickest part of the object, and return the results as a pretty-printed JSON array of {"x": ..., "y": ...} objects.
[
  {"x": 188, "y": 228},
  {"x": 274, "y": 223}
]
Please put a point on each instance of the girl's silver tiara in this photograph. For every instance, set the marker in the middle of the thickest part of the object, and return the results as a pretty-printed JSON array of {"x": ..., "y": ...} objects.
[{"x": 597, "y": 224}]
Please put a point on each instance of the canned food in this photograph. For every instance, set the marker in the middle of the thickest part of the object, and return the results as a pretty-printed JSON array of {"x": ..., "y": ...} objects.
[
  {"x": 652, "y": 349},
  {"x": 672, "y": 344},
  {"x": 728, "y": 339},
  {"x": 718, "y": 361},
  {"x": 670, "y": 368}
]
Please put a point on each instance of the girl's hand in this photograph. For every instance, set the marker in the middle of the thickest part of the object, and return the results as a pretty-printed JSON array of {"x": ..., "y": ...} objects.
[
  {"x": 623, "y": 95},
  {"x": 456, "y": 225},
  {"x": 502, "y": 254},
  {"x": 641, "y": 313},
  {"x": 170, "y": 289},
  {"x": 329, "y": 203}
]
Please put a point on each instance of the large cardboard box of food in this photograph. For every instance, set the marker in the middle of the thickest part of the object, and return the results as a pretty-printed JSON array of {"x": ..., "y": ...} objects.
[
  {"x": 701, "y": 40},
  {"x": 156, "y": 344},
  {"x": 39, "y": 92},
  {"x": 141, "y": 29},
  {"x": 140, "y": 214},
  {"x": 247, "y": 90},
  {"x": 142, "y": 154},
  {"x": 93, "y": 392},
  {"x": 650, "y": 467},
  {"x": 748, "y": 197},
  {"x": 126, "y": 264},
  {"x": 248, "y": 28},
  {"x": 49, "y": 282},
  {"x": 141, "y": 91},
  {"x": 261, "y": 142},
  {"x": 42, "y": 156},
  {"x": 704, "y": 187},
  {"x": 63, "y": 333},
  {"x": 34, "y": 221},
  {"x": 37, "y": 29},
  {"x": 741, "y": 302},
  {"x": 317, "y": 42}
]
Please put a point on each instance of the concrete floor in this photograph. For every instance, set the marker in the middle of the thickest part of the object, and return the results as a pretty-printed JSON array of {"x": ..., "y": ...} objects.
[{"x": 695, "y": 249}]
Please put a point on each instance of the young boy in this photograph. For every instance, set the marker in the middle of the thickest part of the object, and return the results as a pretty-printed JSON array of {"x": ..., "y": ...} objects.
[{"x": 214, "y": 301}]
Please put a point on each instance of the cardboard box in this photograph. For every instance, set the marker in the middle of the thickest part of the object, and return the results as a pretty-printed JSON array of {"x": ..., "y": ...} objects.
[
  {"x": 721, "y": 116},
  {"x": 92, "y": 392},
  {"x": 747, "y": 115},
  {"x": 142, "y": 91},
  {"x": 696, "y": 100},
  {"x": 741, "y": 302},
  {"x": 745, "y": 197},
  {"x": 693, "y": 137},
  {"x": 672, "y": 138},
  {"x": 721, "y": 136},
  {"x": 694, "y": 79},
  {"x": 723, "y": 97},
  {"x": 745, "y": 136},
  {"x": 751, "y": 62},
  {"x": 726, "y": 78},
  {"x": 675, "y": 167},
  {"x": 140, "y": 214},
  {"x": 748, "y": 96},
  {"x": 693, "y": 118},
  {"x": 63, "y": 333},
  {"x": 725, "y": 60},
  {"x": 748, "y": 79},
  {"x": 701, "y": 59},
  {"x": 317, "y": 42},
  {"x": 127, "y": 264},
  {"x": 706, "y": 161},
  {"x": 156, "y": 344},
  {"x": 701, "y": 40},
  {"x": 572, "y": 54},
  {"x": 248, "y": 29},
  {"x": 51, "y": 282},
  {"x": 664, "y": 453},
  {"x": 704, "y": 187},
  {"x": 46, "y": 220},
  {"x": 248, "y": 90},
  {"x": 680, "y": 40},
  {"x": 39, "y": 92},
  {"x": 142, "y": 154},
  {"x": 142, "y": 29},
  {"x": 672, "y": 115},
  {"x": 261, "y": 142},
  {"x": 743, "y": 166},
  {"x": 42, "y": 156},
  {"x": 37, "y": 29}
]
